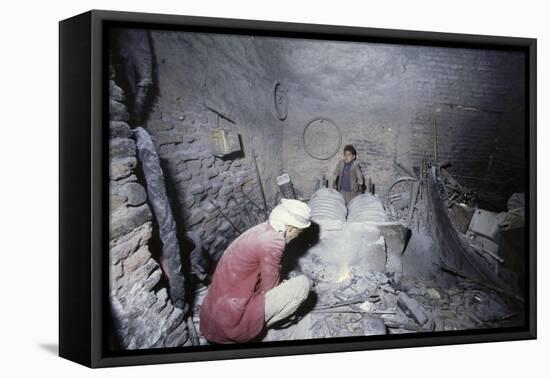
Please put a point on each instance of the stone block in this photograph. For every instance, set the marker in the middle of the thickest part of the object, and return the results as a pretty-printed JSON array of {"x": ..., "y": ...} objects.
[
  {"x": 117, "y": 111},
  {"x": 136, "y": 259},
  {"x": 124, "y": 180},
  {"x": 225, "y": 225},
  {"x": 119, "y": 129},
  {"x": 159, "y": 125},
  {"x": 122, "y": 247},
  {"x": 135, "y": 193},
  {"x": 373, "y": 325},
  {"x": 209, "y": 207},
  {"x": 128, "y": 218},
  {"x": 122, "y": 168},
  {"x": 186, "y": 154},
  {"x": 226, "y": 190},
  {"x": 115, "y": 92},
  {"x": 412, "y": 308},
  {"x": 208, "y": 161},
  {"x": 193, "y": 166},
  {"x": 212, "y": 172},
  {"x": 210, "y": 237},
  {"x": 219, "y": 241},
  {"x": 168, "y": 137},
  {"x": 184, "y": 176},
  {"x": 120, "y": 148},
  {"x": 195, "y": 216},
  {"x": 130, "y": 193},
  {"x": 177, "y": 337},
  {"x": 196, "y": 188}
]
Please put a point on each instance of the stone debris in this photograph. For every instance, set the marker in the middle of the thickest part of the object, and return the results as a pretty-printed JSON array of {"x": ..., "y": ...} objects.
[
  {"x": 412, "y": 308},
  {"x": 354, "y": 295}
]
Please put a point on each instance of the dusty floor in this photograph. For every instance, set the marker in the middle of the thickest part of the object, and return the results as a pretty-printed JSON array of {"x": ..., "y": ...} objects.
[{"x": 369, "y": 302}]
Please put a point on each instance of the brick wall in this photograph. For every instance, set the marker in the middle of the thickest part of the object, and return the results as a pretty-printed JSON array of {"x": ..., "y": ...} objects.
[
  {"x": 205, "y": 83},
  {"x": 385, "y": 99},
  {"x": 477, "y": 99}
]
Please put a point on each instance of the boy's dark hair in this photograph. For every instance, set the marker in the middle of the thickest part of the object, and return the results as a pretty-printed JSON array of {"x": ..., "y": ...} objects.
[{"x": 351, "y": 149}]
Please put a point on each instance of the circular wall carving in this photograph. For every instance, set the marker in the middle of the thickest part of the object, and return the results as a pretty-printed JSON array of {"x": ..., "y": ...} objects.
[{"x": 322, "y": 138}]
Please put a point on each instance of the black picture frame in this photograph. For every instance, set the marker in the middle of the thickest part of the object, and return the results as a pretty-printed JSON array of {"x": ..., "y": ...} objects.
[{"x": 83, "y": 230}]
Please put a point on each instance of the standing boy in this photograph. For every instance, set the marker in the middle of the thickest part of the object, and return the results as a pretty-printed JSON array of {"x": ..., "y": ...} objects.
[{"x": 347, "y": 177}]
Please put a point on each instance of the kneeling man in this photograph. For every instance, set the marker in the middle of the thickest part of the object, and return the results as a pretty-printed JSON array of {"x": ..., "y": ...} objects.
[{"x": 245, "y": 295}]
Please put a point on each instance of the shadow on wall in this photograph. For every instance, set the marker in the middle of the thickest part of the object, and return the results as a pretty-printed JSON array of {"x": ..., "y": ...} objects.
[
  {"x": 194, "y": 259},
  {"x": 132, "y": 56}
]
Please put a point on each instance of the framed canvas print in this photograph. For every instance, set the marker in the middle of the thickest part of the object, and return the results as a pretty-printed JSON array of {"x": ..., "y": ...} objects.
[{"x": 234, "y": 188}]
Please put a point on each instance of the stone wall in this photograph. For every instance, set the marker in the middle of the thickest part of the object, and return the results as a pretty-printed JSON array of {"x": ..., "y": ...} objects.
[
  {"x": 143, "y": 315},
  {"x": 204, "y": 83},
  {"x": 385, "y": 99}
]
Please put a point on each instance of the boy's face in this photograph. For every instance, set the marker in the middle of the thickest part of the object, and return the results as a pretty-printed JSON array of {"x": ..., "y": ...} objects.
[{"x": 348, "y": 156}]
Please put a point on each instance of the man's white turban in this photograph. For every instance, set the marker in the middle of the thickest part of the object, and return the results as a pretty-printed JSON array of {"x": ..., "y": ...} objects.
[{"x": 290, "y": 212}]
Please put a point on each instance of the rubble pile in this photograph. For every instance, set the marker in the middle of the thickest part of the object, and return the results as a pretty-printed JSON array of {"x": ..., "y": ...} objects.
[
  {"x": 358, "y": 292},
  {"x": 372, "y": 303}
]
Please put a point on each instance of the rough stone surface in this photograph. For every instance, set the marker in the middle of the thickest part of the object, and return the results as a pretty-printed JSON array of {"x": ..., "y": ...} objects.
[
  {"x": 205, "y": 87},
  {"x": 143, "y": 315},
  {"x": 159, "y": 202}
]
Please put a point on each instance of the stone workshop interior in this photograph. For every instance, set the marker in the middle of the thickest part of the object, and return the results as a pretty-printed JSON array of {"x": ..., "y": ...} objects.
[{"x": 266, "y": 189}]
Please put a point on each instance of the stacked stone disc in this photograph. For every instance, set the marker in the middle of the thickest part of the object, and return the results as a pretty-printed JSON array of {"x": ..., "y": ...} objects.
[
  {"x": 366, "y": 208},
  {"x": 328, "y": 204}
]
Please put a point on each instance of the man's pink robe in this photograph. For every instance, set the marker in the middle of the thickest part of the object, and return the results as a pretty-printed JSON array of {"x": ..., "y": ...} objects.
[{"x": 233, "y": 310}]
